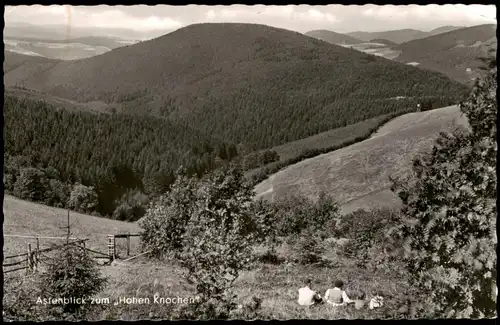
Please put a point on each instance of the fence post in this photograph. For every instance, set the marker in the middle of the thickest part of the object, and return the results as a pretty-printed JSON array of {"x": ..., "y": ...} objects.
[
  {"x": 111, "y": 247},
  {"x": 36, "y": 254},
  {"x": 128, "y": 244},
  {"x": 30, "y": 261}
]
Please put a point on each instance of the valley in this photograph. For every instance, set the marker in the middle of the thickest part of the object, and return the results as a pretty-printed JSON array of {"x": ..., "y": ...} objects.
[{"x": 70, "y": 49}]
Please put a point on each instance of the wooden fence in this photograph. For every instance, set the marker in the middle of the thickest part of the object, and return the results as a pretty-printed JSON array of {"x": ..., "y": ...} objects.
[
  {"x": 112, "y": 243},
  {"x": 33, "y": 256}
]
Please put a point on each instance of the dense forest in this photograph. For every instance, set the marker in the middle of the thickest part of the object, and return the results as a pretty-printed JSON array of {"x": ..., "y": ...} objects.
[
  {"x": 112, "y": 164},
  {"x": 250, "y": 84},
  {"x": 48, "y": 151}
]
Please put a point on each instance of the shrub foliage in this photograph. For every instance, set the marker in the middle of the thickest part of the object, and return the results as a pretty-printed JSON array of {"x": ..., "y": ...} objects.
[
  {"x": 209, "y": 227},
  {"x": 450, "y": 203}
]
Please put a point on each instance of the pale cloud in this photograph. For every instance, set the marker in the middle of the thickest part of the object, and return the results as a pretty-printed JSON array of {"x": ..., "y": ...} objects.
[
  {"x": 117, "y": 19},
  {"x": 227, "y": 13},
  {"x": 389, "y": 12},
  {"x": 369, "y": 12},
  {"x": 210, "y": 14},
  {"x": 316, "y": 14},
  {"x": 107, "y": 18},
  {"x": 301, "y": 18},
  {"x": 276, "y": 11}
]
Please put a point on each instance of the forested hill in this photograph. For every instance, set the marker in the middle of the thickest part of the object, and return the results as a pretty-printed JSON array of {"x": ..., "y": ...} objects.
[
  {"x": 452, "y": 53},
  {"x": 24, "y": 64},
  {"x": 49, "y": 150},
  {"x": 251, "y": 84},
  {"x": 444, "y": 29}
]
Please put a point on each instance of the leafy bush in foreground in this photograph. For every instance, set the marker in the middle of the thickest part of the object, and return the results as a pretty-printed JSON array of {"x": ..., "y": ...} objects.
[
  {"x": 209, "y": 227},
  {"x": 218, "y": 242},
  {"x": 166, "y": 219},
  {"x": 450, "y": 203}
]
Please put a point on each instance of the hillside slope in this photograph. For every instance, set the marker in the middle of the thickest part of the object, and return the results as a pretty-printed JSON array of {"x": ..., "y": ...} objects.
[
  {"x": 451, "y": 53},
  {"x": 114, "y": 153},
  {"x": 358, "y": 175},
  {"x": 253, "y": 84},
  {"x": 332, "y": 37},
  {"x": 26, "y": 219},
  {"x": 444, "y": 29},
  {"x": 20, "y": 66}
]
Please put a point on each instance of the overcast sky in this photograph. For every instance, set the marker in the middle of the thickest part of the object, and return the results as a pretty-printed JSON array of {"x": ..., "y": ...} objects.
[{"x": 152, "y": 20}]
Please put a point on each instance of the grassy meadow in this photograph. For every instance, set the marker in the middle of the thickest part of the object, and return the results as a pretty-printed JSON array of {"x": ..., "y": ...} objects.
[
  {"x": 276, "y": 284},
  {"x": 332, "y": 137},
  {"x": 30, "y": 219},
  {"x": 358, "y": 175}
]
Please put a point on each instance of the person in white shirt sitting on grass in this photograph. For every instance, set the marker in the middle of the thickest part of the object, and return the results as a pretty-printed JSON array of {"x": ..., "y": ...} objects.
[
  {"x": 376, "y": 301},
  {"x": 337, "y": 295},
  {"x": 307, "y": 296}
]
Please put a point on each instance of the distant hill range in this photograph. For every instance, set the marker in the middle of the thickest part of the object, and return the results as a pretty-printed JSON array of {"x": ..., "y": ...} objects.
[
  {"x": 59, "y": 42},
  {"x": 64, "y": 49},
  {"x": 61, "y": 32},
  {"x": 396, "y": 36},
  {"x": 109, "y": 42},
  {"x": 401, "y": 35},
  {"x": 251, "y": 84},
  {"x": 332, "y": 37},
  {"x": 455, "y": 53},
  {"x": 451, "y": 50}
]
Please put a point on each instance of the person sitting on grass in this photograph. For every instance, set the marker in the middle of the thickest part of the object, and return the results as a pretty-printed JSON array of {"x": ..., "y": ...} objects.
[
  {"x": 337, "y": 295},
  {"x": 377, "y": 300},
  {"x": 307, "y": 296}
]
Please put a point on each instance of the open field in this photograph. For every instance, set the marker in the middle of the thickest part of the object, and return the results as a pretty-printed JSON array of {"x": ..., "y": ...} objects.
[
  {"x": 327, "y": 139},
  {"x": 277, "y": 285},
  {"x": 295, "y": 151},
  {"x": 358, "y": 175},
  {"x": 28, "y": 219}
]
